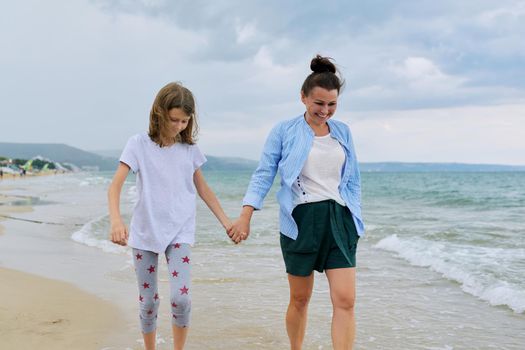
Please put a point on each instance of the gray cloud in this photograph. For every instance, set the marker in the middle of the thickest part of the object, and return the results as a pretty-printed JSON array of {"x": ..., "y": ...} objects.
[{"x": 85, "y": 73}]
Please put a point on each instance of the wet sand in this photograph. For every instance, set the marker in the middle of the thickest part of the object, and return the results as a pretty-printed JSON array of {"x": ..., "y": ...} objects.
[
  {"x": 45, "y": 313},
  {"x": 39, "y": 313}
]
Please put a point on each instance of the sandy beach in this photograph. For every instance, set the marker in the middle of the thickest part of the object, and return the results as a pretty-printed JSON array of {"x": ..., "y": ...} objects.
[{"x": 39, "y": 313}]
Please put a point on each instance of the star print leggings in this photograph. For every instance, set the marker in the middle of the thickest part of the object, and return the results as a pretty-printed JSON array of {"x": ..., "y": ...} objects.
[{"x": 146, "y": 267}]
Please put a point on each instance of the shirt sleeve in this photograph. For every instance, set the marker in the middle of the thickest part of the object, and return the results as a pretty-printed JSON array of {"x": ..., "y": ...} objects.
[
  {"x": 198, "y": 157},
  {"x": 129, "y": 154},
  {"x": 262, "y": 178},
  {"x": 353, "y": 184}
]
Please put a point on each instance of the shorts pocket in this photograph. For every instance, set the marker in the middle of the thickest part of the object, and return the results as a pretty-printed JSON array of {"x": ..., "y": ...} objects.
[
  {"x": 299, "y": 245},
  {"x": 350, "y": 229},
  {"x": 306, "y": 241}
]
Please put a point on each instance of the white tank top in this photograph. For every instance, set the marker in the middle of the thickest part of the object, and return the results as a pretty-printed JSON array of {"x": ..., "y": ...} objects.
[{"x": 321, "y": 174}]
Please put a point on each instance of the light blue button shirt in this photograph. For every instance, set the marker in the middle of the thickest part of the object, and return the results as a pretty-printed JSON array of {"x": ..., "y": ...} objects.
[{"x": 286, "y": 150}]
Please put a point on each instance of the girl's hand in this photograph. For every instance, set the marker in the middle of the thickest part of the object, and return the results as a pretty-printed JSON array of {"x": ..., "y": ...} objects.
[
  {"x": 228, "y": 228},
  {"x": 119, "y": 233},
  {"x": 240, "y": 230}
]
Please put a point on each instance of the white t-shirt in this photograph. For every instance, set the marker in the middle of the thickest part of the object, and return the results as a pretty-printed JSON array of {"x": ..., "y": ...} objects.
[
  {"x": 321, "y": 174},
  {"x": 165, "y": 210}
]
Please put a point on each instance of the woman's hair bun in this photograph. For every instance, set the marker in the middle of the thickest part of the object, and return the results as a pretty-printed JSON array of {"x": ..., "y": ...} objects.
[
  {"x": 325, "y": 75},
  {"x": 322, "y": 64}
]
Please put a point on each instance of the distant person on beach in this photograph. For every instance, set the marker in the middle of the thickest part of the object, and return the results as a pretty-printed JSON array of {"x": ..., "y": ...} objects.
[
  {"x": 167, "y": 163},
  {"x": 320, "y": 203}
]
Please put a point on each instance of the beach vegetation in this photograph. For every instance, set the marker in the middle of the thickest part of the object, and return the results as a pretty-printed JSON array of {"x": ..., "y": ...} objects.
[
  {"x": 34, "y": 164},
  {"x": 18, "y": 161},
  {"x": 41, "y": 164}
]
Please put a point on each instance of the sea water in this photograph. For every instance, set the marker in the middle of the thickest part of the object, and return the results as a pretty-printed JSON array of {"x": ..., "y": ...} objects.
[{"x": 442, "y": 264}]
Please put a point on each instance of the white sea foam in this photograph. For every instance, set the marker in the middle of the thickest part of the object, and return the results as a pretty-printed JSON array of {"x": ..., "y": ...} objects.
[
  {"x": 94, "y": 181},
  {"x": 458, "y": 265},
  {"x": 91, "y": 235}
]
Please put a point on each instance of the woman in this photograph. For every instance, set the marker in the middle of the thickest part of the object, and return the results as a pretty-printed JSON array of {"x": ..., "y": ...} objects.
[{"x": 320, "y": 203}]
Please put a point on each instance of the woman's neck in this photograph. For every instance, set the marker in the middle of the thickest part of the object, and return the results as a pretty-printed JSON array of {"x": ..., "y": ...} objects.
[{"x": 321, "y": 129}]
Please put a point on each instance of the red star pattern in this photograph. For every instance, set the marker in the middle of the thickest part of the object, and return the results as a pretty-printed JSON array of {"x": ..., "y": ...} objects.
[
  {"x": 176, "y": 245},
  {"x": 141, "y": 298},
  {"x": 175, "y": 274},
  {"x": 150, "y": 312},
  {"x": 145, "y": 285},
  {"x": 156, "y": 297},
  {"x": 183, "y": 290},
  {"x": 151, "y": 269},
  {"x": 138, "y": 256},
  {"x": 186, "y": 260},
  {"x": 173, "y": 305}
]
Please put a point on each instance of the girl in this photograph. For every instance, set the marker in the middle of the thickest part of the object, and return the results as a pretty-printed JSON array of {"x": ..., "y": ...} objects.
[
  {"x": 320, "y": 203},
  {"x": 166, "y": 161}
]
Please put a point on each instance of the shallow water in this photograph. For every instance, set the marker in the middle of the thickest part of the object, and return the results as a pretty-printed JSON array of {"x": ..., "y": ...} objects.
[{"x": 441, "y": 266}]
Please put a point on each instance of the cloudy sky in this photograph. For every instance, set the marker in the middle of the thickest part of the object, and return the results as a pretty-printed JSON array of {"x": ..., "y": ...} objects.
[{"x": 432, "y": 81}]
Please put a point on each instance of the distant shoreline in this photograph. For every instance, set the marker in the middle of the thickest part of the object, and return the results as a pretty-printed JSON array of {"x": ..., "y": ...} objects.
[
  {"x": 108, "y": 160},
  {"x": 437, "y": 167}
]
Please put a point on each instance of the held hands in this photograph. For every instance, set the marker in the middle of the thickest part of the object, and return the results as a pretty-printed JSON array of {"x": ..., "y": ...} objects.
[
  {"x": 119, "y": 233},
  {"x": 239, "y": 230}
]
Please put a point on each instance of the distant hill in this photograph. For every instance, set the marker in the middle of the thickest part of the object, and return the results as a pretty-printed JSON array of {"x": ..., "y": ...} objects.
[
  {"x": 112, "y": 153},
  {"x": 213, "y": 163},
  {"x": 57, "y": 152},
  {"x": 436, "y": 167},
  {"x": 66, "y": 154},
  {"x": 229, "y": 164}
]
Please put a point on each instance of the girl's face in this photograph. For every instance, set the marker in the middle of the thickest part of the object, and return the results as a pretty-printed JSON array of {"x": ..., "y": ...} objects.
[
  {"x": 178, "y": 120},
  {"x": 320, "y": 105}
]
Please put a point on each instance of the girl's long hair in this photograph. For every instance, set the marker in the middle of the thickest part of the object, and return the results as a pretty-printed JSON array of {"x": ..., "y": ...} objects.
[{"x": 173, "y": 95}]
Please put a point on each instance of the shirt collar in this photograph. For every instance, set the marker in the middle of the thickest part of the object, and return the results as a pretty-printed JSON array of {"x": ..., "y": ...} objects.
[{"x": 331, "y": 125}]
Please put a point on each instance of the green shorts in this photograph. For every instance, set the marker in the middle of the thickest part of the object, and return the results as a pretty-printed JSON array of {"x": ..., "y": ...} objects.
[{"x": 327, "y": 239}]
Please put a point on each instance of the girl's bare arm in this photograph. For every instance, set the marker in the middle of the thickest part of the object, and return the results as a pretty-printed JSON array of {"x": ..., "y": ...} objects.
[
  {"x": 207, "y": 195},
  {"x": 119, "y": 231}
]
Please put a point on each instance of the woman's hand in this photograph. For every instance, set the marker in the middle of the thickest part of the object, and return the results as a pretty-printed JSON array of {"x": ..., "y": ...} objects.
[
  {"x": 240, "y": 230},
  {"x": 119, "y": 233}
]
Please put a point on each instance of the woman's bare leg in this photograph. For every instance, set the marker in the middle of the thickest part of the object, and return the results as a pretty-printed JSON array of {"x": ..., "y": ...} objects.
[
  {"x": 342, "y": 293},
  {"x": 296, "y": 315}
]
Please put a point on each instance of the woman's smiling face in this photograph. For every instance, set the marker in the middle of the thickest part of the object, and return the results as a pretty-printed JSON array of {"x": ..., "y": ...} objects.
[{"x": 320, "y": 105}]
